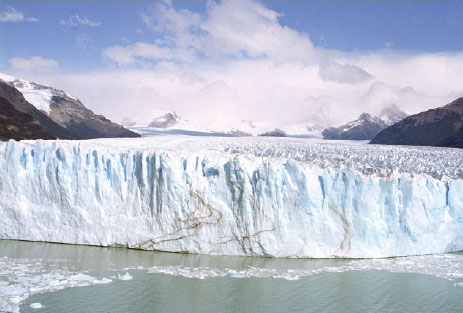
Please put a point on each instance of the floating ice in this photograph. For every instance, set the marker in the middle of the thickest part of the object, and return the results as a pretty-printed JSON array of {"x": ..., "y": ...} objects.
[
  {"x": 36, "y": 305},
  {"x": 30, "y": 276},
  {"x": 25, "y": 277},
  {"x": 125, "y": 276},
  {"x": 253, "y": 196},
  {"x": 446, "y": 266}
]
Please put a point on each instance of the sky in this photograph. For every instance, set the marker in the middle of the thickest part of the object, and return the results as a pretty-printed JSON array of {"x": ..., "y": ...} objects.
[{"x": 315, "y": 62}]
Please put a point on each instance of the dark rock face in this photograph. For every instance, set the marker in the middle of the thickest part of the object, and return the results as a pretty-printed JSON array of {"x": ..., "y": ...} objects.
[
  {"x": 274, "y": 133},
  {"x": 17, "y": 101},
  {"x": 455, "y": 141},
  {"x": 18, "y": 125},
  {"x": 168, "y": 120},
  {"x": 441, "y": 127}
]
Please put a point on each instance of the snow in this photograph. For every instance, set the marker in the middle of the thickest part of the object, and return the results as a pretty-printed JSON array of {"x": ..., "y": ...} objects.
[
  {"x": 276, "y": 197},
  {"x": 6, "y": 77},
  {"x": 41, "y": 99}
]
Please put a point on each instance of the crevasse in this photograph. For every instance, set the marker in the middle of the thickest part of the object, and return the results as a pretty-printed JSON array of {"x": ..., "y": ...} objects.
[{"x": 147, "y": 195}]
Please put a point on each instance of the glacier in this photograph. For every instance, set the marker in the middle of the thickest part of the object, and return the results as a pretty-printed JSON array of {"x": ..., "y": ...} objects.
[{"x": 273, "y": 197}]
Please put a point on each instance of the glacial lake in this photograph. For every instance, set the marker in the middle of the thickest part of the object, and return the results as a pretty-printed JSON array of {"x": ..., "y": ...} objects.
[{"x": 46, "y": 277}]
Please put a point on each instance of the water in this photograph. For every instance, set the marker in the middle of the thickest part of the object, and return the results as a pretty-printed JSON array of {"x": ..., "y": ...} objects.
[{"x": 67, "y": 278}]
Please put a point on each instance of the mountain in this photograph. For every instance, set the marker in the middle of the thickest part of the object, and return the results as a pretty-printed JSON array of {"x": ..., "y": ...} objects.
[
  {"x": 274, "y": 133},
  {"x": 15, "y": 102},
  {"x": 167, "y": 120},
  {"x": 441, "y": 127},
  {"x": 66, "y": 111},
  {"x": 366, "y": 126}
]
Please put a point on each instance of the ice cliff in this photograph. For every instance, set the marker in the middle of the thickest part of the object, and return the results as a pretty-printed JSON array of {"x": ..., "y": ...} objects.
[{"x": 254, "y": 196}]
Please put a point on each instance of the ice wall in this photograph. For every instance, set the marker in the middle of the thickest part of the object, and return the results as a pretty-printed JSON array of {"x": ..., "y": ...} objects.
[{"x": 209, "y": 201}]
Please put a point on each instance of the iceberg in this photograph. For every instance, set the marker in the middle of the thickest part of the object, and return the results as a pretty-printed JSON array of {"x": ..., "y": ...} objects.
[{"x": 278, "y": 197}]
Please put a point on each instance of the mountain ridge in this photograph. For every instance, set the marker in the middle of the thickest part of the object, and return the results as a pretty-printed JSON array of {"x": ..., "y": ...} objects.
[
  {"x": 440, "y": 127},
  {"x": 62, "y": 114},
  {"x": 366, "y": 126}
]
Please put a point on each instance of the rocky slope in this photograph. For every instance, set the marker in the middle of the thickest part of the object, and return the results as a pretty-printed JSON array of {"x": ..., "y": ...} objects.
[
  {"x": 66, "y": 111},
  {"x": 442, "y": 127},
  {"x": 18, "y": 125}
]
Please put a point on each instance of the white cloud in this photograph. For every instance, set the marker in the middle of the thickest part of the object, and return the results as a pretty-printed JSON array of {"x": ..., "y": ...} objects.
[
  {"x": 348, "y": 74},
  {"x": 238, "y": 62},
  {"x": 76, "y": 20},
  {"x": 126, "y": 55},
  {"x": 33, "y": 63},
  {"x": 12, "y": 15},
  {"x": 238, "y": 29}
]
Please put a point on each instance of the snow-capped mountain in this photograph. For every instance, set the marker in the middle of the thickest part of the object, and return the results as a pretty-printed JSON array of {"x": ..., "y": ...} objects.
[
  {"x": 38, "y": 95},
  {"x": 21, "y": 120},
  {"x": 67, "y": 111},
  {"x": 171, "y": 123},
  {"x": 366, "y": 127},
  {"x": 167, "y": 120}
]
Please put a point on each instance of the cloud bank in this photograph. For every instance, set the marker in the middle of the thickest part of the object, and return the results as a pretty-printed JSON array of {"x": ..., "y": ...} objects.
[{"x": 237, "y": 61}]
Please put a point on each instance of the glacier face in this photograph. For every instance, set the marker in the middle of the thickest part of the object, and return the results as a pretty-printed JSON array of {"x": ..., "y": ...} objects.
[{"x": 251, "y": 196}]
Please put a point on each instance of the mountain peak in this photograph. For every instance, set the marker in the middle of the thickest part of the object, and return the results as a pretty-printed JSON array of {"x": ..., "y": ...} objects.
[
  {"x": 392, "y": 114},
  {"x": 167, "y": 120},
  {"x": 366, "y": 126},
  {"x": 365, "y": 116}
]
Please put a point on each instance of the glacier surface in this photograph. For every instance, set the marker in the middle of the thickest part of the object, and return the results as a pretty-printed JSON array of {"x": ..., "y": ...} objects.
[{"x": 234, "y": 196}]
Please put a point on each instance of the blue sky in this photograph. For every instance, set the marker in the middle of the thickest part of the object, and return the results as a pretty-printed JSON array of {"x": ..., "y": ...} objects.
[
  {"x": 330, "y": 60},
  {"x": 411, "y": 26}
]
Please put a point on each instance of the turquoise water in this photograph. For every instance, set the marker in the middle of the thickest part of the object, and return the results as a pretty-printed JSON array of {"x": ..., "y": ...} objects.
[
  {"x": 331, "y": 292},
  {"x": 67, "y": 278}
]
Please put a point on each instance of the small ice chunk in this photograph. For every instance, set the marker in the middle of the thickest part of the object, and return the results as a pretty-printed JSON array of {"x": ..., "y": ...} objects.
[
  {"x": 36, "y": 305},
  {"x": 126, "y": 276}
]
